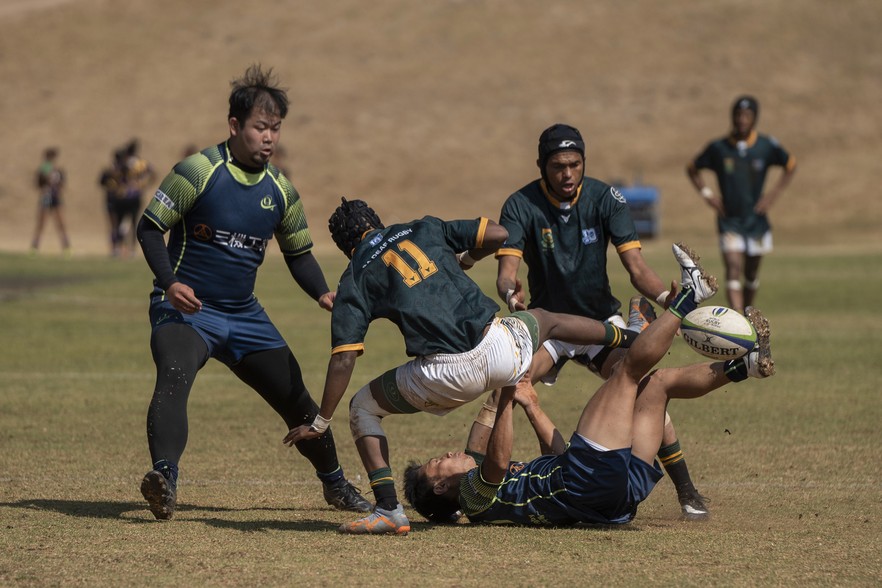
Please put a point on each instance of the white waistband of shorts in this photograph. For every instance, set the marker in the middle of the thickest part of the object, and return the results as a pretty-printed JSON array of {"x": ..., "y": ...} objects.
[{"x": 471, "y": 354}]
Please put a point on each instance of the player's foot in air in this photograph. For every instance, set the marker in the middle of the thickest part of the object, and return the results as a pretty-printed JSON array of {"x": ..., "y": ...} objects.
[
  {"x": 342, "y": 495},
  {"x": 693, "y": 276},
  {"x": 161, "y": 494},
  {"x": 640, "y": 314},
  {"x": 693, "y": 505},
  {"x": 379, "y": 522},
  {"x": 759, "y": 361}
]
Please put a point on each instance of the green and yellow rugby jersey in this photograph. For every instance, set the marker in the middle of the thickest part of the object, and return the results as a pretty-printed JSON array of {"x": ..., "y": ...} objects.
[
  {"x": 408, "y": 273},
  {"x": 221, "y": 219},
  {"x": 564, "y": 245},
  {"x": 740, "y": 167}
]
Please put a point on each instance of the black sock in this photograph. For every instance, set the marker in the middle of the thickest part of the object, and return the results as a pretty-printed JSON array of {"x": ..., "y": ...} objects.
[
  {"x": 674, "y": 462},
  {"x": 683, "y": 303},
  {"x": 618, "y": 337},
  {"x": 383, "y": 485}
]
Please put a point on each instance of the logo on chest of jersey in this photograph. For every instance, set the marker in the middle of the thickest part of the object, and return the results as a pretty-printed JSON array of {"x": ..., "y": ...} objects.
[
  {"x": 758, "y": 164},
  {"x": 729, "y": 165},
  {"x": 240, "y": 241},
  {"x": 267, "y": 203},
  {"x": 203, "y": 232},
  {"x": 547, "y": 240},
  {"x": 589, "y": 236}
]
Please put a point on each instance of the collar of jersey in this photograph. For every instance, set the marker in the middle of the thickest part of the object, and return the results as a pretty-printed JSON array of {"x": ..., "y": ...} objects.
[
  {"x": 239, "y": 174},
  {"x": 557, "y": 202},
  {"x": 751, "y": 138}
]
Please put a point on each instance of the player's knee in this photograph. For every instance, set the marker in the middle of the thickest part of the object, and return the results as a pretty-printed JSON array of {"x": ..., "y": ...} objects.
[{"x": 365, "y": 415}]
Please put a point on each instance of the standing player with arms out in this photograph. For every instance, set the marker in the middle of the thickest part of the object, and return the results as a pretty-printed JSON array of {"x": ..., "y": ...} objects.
[
  {"x": 223, "y": 206},
  {"x": 410, "y": 274},
  {"x": 740, "y": 161},
  {"x": 561, "y": 226}
]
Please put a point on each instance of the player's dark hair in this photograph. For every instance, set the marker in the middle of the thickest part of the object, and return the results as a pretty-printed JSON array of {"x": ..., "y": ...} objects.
[
  {"x": 421, "y": 496},
  {"x": 257, "y": 89},
  {"x": 349, "y": 223},
  {"x": 746, "y": 103}
]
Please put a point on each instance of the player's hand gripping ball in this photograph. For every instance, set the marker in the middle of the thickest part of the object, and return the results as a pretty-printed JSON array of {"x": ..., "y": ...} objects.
[{"x": 718, "y": 332}]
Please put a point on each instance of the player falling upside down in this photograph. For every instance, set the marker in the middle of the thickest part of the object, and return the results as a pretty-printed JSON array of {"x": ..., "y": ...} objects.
[
  {"x": 409, "y": 273},
  {"x": 608, "y": 469}
]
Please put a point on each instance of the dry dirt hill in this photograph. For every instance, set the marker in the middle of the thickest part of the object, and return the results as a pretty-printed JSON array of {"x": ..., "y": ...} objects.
[{"x": 435, "y": 106}]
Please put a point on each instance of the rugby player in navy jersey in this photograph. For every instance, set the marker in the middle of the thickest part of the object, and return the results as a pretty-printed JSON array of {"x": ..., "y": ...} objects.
[
  {"x": 221, "y": 207},
  {"x": 561, "y": 226},
  {"x": 412, "y": 274},
  {"x": 740, "y": 161},
  {"x": 608, "y": 468}
]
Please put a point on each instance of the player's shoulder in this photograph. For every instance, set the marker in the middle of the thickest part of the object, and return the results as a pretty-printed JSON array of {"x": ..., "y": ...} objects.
[
  {"x": 528, "y": 192},
  {"x": 770, "y": 140},
  {"x": 200, "y": 165}
]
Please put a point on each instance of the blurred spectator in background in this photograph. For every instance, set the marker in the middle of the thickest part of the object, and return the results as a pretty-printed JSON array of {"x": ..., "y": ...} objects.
[
  {"x": 50, "y": 182},
  {"x": 113, "y": 181},
  {"x": 138, "y": 174}
]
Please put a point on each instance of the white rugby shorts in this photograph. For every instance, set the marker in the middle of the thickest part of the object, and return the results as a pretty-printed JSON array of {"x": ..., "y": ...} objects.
[
  {"x": 731, "y": 242},
  {"x": 558, "y": 349},
  {"x": 441, "y": 382}
]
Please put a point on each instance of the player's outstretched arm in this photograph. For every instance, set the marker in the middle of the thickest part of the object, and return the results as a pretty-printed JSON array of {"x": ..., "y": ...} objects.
[
  {"x": 340, "y": 368},
  {"x": 551, "y": 442},
  {"x": 495, "y": 464}
]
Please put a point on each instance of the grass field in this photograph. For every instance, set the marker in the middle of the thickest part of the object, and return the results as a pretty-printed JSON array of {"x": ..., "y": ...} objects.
[{"x": 791, "y": 464}]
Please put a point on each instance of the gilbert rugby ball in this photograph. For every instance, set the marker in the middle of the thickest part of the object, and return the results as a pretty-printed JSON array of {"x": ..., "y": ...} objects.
[{"x": 718, "y": 332}]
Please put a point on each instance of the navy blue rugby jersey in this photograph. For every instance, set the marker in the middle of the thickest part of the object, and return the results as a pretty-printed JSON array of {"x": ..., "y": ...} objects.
[
  {"x": 408, "y": 273},
  {"x": 221, "y": 219}
]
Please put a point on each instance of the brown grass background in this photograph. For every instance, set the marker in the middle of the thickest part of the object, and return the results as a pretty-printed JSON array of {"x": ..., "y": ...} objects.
[{"x": 435, "y": 106}]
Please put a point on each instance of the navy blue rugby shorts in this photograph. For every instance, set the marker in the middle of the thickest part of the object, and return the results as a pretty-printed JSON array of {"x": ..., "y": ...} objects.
[
  {"x": 230, "y": 336},
  {"x": 612, "y": 483}
]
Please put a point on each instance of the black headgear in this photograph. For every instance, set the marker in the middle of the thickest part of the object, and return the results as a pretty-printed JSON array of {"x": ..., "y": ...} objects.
[
  {"x": 556, "y": 138},
  {"x": 351, "y": 220},
  {"x": 748, "y": 103}
]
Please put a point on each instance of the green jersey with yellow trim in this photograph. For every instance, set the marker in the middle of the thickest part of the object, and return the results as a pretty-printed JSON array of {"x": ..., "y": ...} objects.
[
  {"x": 740, "y": 167},
  {"x": 221, "y": 219},
  {"x": 564, "y": 245},
  {"x": 408, "y": 273}
]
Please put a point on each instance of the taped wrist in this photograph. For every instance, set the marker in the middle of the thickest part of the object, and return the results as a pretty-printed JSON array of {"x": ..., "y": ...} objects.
[{"x": 486, "y": 416}]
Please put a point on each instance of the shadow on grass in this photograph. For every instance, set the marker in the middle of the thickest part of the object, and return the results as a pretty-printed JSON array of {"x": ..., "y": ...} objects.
[{"x": 138, "y": 513}]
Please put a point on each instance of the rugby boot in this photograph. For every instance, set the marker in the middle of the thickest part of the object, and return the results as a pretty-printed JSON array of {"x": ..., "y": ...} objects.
[
  {"x": 693, "y": 276},
  {"x": 640, "y": 314},
  {"x": 161, "y": 494},
  {"x": 342, "y": 495},
  {"x": 759, "y": 361},
  {"x": 379, "y": 522}
]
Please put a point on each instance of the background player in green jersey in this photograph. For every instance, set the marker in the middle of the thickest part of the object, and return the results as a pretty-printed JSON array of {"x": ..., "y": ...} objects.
[
  {"x": 222, "y": 206},
  {"x": 609, "y": 466},
  {"x": 561, "y": 225},
  {"x": 740, "y": 161},
  {"x": 411, "y": 274}
]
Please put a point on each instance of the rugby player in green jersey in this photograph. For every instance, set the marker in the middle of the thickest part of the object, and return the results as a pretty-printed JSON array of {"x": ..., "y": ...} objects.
[
  {"x": 608, "y": 467},
  {"x": 412, "y": 274},
  {"x": 561, "y": 226},
  {"x": 221, "y": 207},
  {"x": 740, "y": 162}
]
